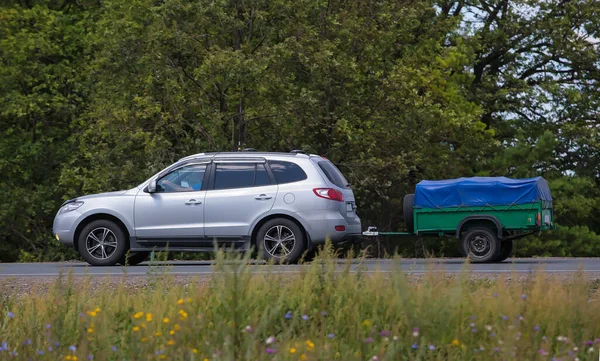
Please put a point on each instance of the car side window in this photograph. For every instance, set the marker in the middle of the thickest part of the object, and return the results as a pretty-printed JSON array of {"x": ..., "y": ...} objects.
[
  {"x": 184, "y": 179},
  {"x": 240, "y": 175},
  {"x": 287, "y": 172}
]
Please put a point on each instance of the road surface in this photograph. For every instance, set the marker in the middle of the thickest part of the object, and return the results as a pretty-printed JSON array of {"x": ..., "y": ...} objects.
[{"x": 413, "y": 266}]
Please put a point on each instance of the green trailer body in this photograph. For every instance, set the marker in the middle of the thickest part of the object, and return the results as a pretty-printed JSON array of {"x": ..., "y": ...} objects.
[{"x": 485, "y": 213}]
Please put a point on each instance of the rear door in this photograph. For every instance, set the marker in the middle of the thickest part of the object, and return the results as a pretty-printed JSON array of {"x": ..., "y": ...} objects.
[
  {"x": 337, "y": 180},
  {"x": 240, "y": 192}
]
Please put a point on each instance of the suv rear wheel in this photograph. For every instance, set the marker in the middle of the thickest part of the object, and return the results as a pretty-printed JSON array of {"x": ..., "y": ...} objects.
[
  {"x": 102, "y": 243},
  {"x": 281, "y": 240}
]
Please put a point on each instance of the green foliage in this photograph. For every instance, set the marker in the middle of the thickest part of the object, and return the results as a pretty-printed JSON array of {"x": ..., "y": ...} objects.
[{"x": 96, "y": 96}]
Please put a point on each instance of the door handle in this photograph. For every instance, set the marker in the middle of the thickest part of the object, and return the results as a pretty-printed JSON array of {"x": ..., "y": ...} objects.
[
  {"x": 262, "y": 197},
  {"x": 193, "y": 201}
]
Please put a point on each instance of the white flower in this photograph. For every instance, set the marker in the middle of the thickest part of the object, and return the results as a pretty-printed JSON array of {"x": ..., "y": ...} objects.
[
  {"x": 270, "y": 340},
  {"x": 488, "y": 327},
  {"x": 591, "y": 349},
  {"x": 416, "y": 333},
  {"x": 395, "y": 338},
  {"x": 575, "y": 349}
]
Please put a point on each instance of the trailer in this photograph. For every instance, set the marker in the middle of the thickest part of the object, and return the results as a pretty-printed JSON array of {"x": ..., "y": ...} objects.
[{"x": 487, "y": 214}]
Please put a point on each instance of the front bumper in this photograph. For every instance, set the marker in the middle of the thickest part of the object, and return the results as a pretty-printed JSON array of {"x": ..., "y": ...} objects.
[{"x": 64, "y": 227}]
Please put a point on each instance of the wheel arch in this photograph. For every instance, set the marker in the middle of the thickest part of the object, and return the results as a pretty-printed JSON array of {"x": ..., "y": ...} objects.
[
  {"x": 97, "y": 216},
  {"x": 265, "y": 219},
  {"x": 480, "y": 220}
]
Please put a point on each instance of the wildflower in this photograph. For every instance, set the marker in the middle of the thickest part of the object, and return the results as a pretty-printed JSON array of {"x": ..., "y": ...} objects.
[
  {"x": 331, "y": 335},
  {"x": 473, "y": 330},
  {"x": 488, "y": 327},
  {"x": 415, "y": 346},
  {"x": 50, "y": 348},
  {"x": 288, "y": 315},
  {"x": 48, "y": 325},
  {"x": 520, "y": 318},
  {"x": 144, "y": 339},
  {"x": 305, "y": 317},
  {"x": 143, "y": 325},
  {"x": 292, "y": 350},
  {"x": 157, "y": 334},
  {"x": 385, "y": 333},
  {"x": 162, "y": 357},
  {"x": 90, "y": 357},
  {"x": 148, "y": 317},
  {"x": 590, "y": 350},
  {"x": 369, "y": 340},
  {"x": 375, "y": 358},
  {"x": 183, "y": 314},
  {"x": 249, "y": 329},
  {"x": 170, "y": 343},
  {"x": 536, "y": 328},
  {"x": 189, "y": 300},
  {"x": 473, "y": 317},
  {"x": 176, "y": 327},
  {"x": 323, "y": 313},
  {"x": 136, "y": 328},
  {"x": 13, "y": 354},
  {"x": 496, "y": 349},
  {"x": 90, "y": 330},
  {"x": 138, "y": 315},
  {"x": 395, "y": 338},
  {"x": 495, "y": 295},
  {"x": 504, "y": 318},
  {"x": 28, "y": 342},
  {"x": 10, "y": 314},
  {"x": 40, "y": 352},
  {"x": 180, "y": 301},
  {"x": 523, "y": 296},
  {"x": 270, "y": 350},
  {"x": 172, "y": 332},
  {"x": 4, "y": 346},
  {"x": 270, "y": 340},
  {"x": 589, "y": 343},
  {"x": 415, "y": 332},
  {"x": 195, "y": 351},
  {"x": 472, "y": 325},
  {"x": 114, "y": 348},
  {"x": 68, "y": 357},
  {"x": 455, "y": 342},
  {"x": 367, "y": 323},
  {"x": 309, "y": 345},
  {"x": 561, "y": 338},
  {"x": 492, "y": 334},
  {"x": 543, "y": 352},
  {"x": 431, "y": 347},
  {"x": 575, "y": 349},
  {"x": 72, "y": 348},
  {"x": 165, "y": 320},
  {"x": 92, "y": 313}
]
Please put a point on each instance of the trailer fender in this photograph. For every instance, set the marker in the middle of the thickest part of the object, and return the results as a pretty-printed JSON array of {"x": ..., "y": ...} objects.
[{"x": 493, "y": 219}]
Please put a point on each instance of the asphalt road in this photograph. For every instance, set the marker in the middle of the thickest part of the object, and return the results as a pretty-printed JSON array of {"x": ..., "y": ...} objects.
[{"x": 414, "y": 266}]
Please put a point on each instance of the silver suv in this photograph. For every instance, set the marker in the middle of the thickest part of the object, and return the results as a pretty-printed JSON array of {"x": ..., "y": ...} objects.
[{"x": 280, "y": 203}]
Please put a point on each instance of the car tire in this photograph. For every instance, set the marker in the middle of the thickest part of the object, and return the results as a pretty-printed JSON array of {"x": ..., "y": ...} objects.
[
  {"x": 506, "y": 250},
  {"x": 480, "y": 244},
  {"x": 102, "y": 243},
  {"x": 407, "y": 208},
  {"x": 281, "y": 240},
  {"x": 134, "y": 258}
]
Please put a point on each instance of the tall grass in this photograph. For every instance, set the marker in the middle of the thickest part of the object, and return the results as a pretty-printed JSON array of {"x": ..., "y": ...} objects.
[{"x": 322, "y": 313}]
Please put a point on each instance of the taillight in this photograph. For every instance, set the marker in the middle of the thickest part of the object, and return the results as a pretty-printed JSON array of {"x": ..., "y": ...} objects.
[{"x": 329, "y": 193}]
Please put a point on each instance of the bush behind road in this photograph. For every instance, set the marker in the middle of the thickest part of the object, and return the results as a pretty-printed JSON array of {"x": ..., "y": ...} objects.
[{"x": 318, "y": 314}]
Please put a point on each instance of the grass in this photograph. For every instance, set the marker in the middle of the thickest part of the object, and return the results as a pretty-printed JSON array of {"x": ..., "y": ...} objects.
[{"x": 319, "y": 314}]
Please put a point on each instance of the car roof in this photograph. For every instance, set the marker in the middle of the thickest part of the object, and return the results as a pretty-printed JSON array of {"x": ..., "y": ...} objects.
[{"x": 247, "y": 154}]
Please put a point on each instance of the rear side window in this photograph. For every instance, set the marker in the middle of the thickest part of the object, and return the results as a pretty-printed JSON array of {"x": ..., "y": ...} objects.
[
  {"x": 333, "y": 174},
  {"x": 287, "y": 172},
  {"x": 228, "y": 176}
]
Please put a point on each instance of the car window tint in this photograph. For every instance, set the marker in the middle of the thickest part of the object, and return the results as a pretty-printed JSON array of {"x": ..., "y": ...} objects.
[
  {"x": 185, "y": 179},
  {"x": 333, "y": 174},
  {"x": 229, "y": 176},
  {"x": 262, "y": 177},
  {"x": 287, "y": 172}
]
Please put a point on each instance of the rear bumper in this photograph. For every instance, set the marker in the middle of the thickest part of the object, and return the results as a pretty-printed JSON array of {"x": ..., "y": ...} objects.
[{"x": 321, "y": 226}]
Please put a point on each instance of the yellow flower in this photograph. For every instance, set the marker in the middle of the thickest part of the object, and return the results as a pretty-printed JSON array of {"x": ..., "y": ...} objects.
[
  {"x": 176, "y": 327},
  {"x": 292, "y": 350},
  {"x": 180, "y": 301},
  {"x": 162, "y": 357},
  {"x": 90, "y": 330},
  {"x": 157, "y": 334},
  {"x": 310, "y": 345},
  {"x": 97, "y": 309},
  {"x": 165, "y": 320},
  {"x": 303, "y": 357},
  {"x": 189, "y": 300},
  {"x": 171, "y": 332},
  {"x": 136, "y": 328},
  {"x": 67, "y": 357},
  {"x": 205, "y": 359},
  {"x": 148, "y": 317},
  {"x": 92, "y": 313},
  {"x": 455, "y": 342},
  {"x": 144, "y": 339},
  {"x": 195, "y": 351},
  {"x": 143, "y": 325},
  {"x": 170, "y": 343},
  {"x": 367, "y": 323},
  {"x": 183, "y": 314},
  {"x": 138, "y": 315}
]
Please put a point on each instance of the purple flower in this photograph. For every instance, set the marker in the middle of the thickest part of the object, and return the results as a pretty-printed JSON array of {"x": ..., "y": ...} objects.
[
  {"x": 270, "y": 350},
  {"x": 536, "y": 328},
  {"x": 431, "y": 347},
  {"x": 27, "y": 342},
  {"x": 492, "y": 334},
  {"x": 504, "y": 318},
  {"x": 523, "y": 296},
  {"x": 72, "y": 348},
  {"x": 81, "y": 314},
  {"x": 288, "y": 315},
  {"x": 90, "y": 357},
  {"x": 331, "y": 335},
  {"x": 40, "y": 352},
  {"x": 597, "y": 340},
  {"x": 495, "y": 295},
  {"x": 13, "y": 354},
  {"x": 473, "y": 317},
  {"x": 472, "y": 325},
  {"x": 369, "y": 340},
  {"x": 10, "y": 314},
  {"x": 50, "y": 348},
  {"x": 324, "y": 313},
  {"x": 415, "y": 346},
  {"x": 520, "y": 318},
  {"x": 158, "y": 352},
  {"x": 496, "y": 349},
  {"x": 473, "y": 330},
  {"x": 114, "y": 348},
  {"x": 48, "y": 325},
  {"x": 249, "y": 329},
  {"x": 375, "y": 358},
  {"x": 590, "y": 343},
  {"x": 543, "y": 352},
  {"x": 305, "y": 317},
  {"x": 385, "y": 333},
  {"x": 4, "y": 346}
]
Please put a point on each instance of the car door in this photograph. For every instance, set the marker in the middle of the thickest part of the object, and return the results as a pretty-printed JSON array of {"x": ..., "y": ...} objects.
[
  {"x": 240, "y": 193},
  {"x": 175, "y": 212}
]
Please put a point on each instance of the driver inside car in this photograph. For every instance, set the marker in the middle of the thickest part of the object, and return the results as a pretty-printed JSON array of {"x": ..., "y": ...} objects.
[{"x": 193, "y": 182}]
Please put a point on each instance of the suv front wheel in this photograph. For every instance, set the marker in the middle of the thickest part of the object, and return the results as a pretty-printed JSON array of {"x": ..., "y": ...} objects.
[
  {"x": 102, "y": 243},
  {"x": 280, "y": 240}
]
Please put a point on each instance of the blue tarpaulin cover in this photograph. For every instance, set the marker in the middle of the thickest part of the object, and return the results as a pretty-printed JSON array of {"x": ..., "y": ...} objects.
[{"x": 480, "y": 191}]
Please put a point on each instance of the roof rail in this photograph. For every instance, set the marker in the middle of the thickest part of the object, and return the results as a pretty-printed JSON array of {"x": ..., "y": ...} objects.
[
  {"x": 249, "y": 150},
  {"x": 298, "y": 151}
]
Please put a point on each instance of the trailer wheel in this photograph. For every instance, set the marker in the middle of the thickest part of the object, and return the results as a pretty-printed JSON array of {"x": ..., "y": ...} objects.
[
  {"x": 407, "y": 208},
  {"x": 506, "y": 249},
  {"x": 481, "y": 245}
]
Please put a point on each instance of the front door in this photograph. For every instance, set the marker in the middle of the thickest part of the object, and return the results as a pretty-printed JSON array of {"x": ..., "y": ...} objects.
[
  {"x": 175, "y": 212},
  {"x": 242, "y": 192}
]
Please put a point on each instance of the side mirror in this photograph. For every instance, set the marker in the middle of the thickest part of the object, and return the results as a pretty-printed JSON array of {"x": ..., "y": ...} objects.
[{"x": 152, "y": 186}]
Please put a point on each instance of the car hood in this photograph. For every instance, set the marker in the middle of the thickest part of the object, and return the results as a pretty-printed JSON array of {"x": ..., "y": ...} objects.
[{"x": 97, "y": 195}]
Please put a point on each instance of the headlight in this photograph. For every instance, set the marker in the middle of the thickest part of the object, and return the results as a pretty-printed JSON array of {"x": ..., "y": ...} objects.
[{"x": 70, "y": 207}]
